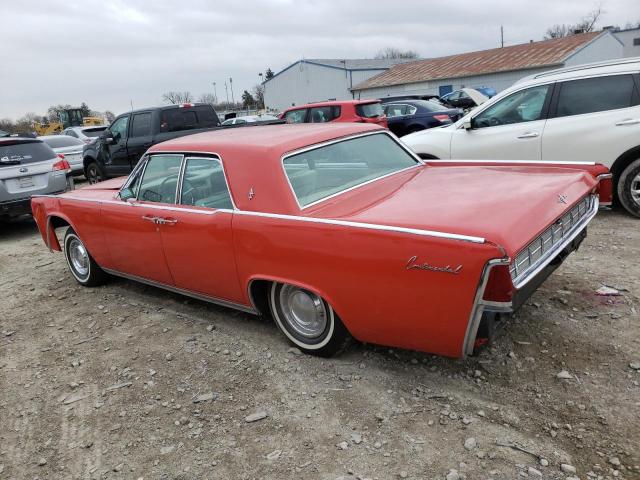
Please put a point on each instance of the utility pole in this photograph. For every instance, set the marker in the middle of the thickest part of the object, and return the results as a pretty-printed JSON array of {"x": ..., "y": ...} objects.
[
  {"x": 501, "y": 37},
  {"x": 231, "y": 85},
  {"x": 215, "y": 94},
  {"x": 261, "y": 86},
  {"x": 226, "y": 91}
]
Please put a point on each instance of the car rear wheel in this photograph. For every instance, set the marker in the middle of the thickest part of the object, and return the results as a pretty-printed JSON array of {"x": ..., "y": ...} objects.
[
  {"x": 307, "y": 320},
  {"x": 93, "y": 173},
  {"x": 81, "y": 264},
  {"x": 629, "y": 188}
]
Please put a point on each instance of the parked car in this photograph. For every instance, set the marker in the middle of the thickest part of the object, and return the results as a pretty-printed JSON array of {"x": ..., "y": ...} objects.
[
  {"x": 121, "y": 145},
  {"x": 249, "y": 119},
  {"x": 335, "y": 229},
  {"x": 28, "y": 166},
  {"x": 585, "y": 113},
  {"x": 367, "y": 111},
  {"x": 408, "y": 116},
  {"x": 71, "y": 148},
  {"x": 86, "y": 134},
  {"x": 464, "y": 98}
]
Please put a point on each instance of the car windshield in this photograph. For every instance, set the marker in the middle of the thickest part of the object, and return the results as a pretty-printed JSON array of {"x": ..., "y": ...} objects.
[
  {"x": 328, "y": 170},
  {"x": 93, "y": 132},
  {"x": 60, "y": 141},
  {"x": 369, "y": 110},
  {"x": 20, "y": 152}
]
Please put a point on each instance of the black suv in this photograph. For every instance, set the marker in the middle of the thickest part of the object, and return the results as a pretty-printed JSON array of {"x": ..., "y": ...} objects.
[{"x": 119, "y": 148}]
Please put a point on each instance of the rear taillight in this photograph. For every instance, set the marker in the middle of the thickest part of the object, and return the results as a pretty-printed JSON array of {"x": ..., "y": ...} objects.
[
  {"x": 60, "y": 156},
  {"x": 605, "y": 189},
  {"x": 61, "y": 165},
  {"x": 442, "y": 118}
]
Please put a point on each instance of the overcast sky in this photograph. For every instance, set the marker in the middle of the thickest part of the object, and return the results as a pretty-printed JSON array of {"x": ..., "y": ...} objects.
[{"x": 110, "y": 53}]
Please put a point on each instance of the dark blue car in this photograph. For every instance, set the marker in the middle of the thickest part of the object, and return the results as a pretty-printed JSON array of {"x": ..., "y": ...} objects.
[{"x": 408, "y": 116}]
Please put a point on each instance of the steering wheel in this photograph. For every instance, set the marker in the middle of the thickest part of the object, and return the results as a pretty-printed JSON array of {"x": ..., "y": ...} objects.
[
  {"x": 493, "y": 121},
  {"x": 187, "y": 189}
]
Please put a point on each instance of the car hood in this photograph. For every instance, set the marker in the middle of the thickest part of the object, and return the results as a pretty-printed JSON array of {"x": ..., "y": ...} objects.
[
  {"x": 506, "y": 205},
  {"x": 440, "y": 133}
]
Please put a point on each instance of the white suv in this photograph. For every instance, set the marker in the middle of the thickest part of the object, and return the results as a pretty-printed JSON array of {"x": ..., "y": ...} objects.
[{"x": 588, "y": 113}]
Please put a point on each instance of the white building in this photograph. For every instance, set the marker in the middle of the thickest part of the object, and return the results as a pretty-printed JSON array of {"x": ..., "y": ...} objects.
[
  {"x": 498, "y": 68},
  {"x": 317, "y": 80},
  {"x": 631, "y": 41}
]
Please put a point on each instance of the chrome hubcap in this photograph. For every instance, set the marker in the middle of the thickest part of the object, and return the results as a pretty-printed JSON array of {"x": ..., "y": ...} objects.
[
  {"x": 304, "y": 311},
  {"x": 635, "y": 189},
  {"x": 78, "y": 257}
]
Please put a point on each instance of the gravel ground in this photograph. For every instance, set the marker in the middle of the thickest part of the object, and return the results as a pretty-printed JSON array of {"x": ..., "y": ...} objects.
[{"x": 129, "y": 381}]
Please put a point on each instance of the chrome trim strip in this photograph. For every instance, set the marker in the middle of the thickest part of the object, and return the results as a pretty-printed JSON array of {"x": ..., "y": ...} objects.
[
  {"x": 604, "y": 176},
  {"x": 48, "y": 232},
  {"x": 550, "y": 254},
  {"x": 419, "y": 162},
  {"x": 188, "y": 293},
  {"x": 536, "y": 162},
  {"x": 479, "y": 306},
  {"x": 369, "y": 226}
]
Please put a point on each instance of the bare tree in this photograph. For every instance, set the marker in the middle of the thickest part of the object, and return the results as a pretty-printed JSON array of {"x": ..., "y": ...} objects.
[
  {"x": 209, "y": 98},
  {"x": 258, "y": 94},
  {"x": 108, "y": 114},
  {"x": 587, "y": 24},
  {"x": 390, "y": 53},
  {"x": 177, "y": 97}
]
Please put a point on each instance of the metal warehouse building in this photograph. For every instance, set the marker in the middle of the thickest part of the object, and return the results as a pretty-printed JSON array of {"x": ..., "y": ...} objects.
[
  {"x": 498, "y": 68},
  {"x": 320, "y": 79}
]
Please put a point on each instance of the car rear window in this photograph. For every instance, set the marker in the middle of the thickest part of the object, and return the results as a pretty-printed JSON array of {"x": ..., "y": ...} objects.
[
  {"x": 62, "y": 141},
  {"x": 188, "y": 118},
  {"x": 20, "y": 152},
  {"x": 430, "y": 106},
  {"x": 369, "y": 110},
  {"x": 93, "y": 132}
]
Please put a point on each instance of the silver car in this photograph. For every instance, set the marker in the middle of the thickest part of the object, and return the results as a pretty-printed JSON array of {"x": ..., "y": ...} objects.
[
  {"x": 70, "y": 147},
  {"x": 28, "y": 166},
  {"x": 86, "y": 134}
]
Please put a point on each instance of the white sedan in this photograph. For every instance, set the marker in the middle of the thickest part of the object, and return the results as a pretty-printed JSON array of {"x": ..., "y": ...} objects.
[{"x": 70, "y": 147}]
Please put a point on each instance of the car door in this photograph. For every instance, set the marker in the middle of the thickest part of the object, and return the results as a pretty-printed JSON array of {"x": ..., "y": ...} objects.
[
  {"x": 197, "y": 233},
  {"x": 593, "y": 119},
  {"x": 396, "y": 118},
  {"x": 509, "y": 129},
  {"x": 140, "y": 137},
  {"x": 131, "y": 226},
  {"x": 113, "y": 148}
]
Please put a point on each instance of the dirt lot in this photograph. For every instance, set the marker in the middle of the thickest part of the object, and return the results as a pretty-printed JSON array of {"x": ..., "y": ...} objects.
[{"x": 128, "y": 381}]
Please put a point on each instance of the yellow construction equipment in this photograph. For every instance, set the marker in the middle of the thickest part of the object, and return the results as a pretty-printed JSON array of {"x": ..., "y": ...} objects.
[{"x": 71, "y": 117}]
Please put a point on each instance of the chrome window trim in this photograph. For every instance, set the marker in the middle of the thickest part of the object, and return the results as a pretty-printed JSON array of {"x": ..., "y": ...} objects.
[
  {"x": 148, "y": 159},
  {"x": 535, "y": 162},
  {"x": 419, "y": 162},
  {"x": 549, "y": 255},
  {"x": 480, "y": 305},
  {"x": 326, "y": 221},
  {"x": 188, "y": 293}
]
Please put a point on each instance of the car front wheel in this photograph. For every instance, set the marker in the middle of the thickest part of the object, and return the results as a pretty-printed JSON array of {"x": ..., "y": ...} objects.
[
  {"x": 307, "y": 320},
  {"x": 629, "y": 188},
  {"x": 81, "y": 264},
  {"x": 93, "y": 173}
]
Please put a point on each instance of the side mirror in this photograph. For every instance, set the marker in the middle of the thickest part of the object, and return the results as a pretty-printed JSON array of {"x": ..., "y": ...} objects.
[
  {"x": 468, "y": 124},
  {"x": 127, "y": 195},
  {"x": 109, "y": 140}
]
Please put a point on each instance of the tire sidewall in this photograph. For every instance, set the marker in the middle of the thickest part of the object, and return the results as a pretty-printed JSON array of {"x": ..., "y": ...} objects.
[
  {"x": 97, "y": 177},
  {"x": 282, "y": 325},
  {"x": 71, "y": 235},
  {"x": 624, "y": 188}
]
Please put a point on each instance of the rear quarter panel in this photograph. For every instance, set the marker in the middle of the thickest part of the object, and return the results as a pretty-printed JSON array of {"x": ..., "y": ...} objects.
[{"x": 363, "y": 275}]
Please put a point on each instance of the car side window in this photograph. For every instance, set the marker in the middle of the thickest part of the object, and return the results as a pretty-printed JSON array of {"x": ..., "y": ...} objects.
[
  {"x": 395, "y": 110},
  {"x": 141, "y": 125},
  {"x": 160, "y": 179},
  {"x": 118, "y": 128},
  {"x": 596, "y": 94},
  {"x": 204, "y": 184},
  {"x": 296, "y": 116},
  {"x": 522, "y": 106},
  {"x": 324, "y": 114}
]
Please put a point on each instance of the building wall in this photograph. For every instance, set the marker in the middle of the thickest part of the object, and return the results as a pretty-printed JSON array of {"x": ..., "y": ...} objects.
[
  {"x": 603, "y": 47},
  {"x": 499, "y": 81},
  {"x": 627, "y": 37},
  {"x": 307, "y": 82}
]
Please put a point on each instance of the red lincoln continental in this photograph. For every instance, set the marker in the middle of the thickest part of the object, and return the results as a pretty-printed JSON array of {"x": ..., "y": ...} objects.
[{"x": 336, "y": 230}]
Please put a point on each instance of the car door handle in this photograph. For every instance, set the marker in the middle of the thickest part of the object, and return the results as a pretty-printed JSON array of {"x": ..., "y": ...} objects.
[
  {"x": 150, "y": 219},
  {"x": 628, "y": 121},
  {"x": 528, "y": 135},
  {"x": 167, "y": 221}
]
